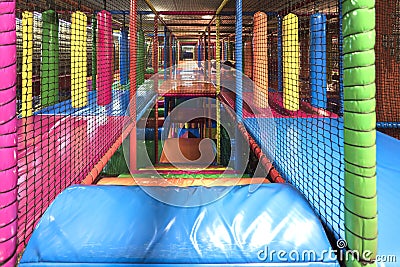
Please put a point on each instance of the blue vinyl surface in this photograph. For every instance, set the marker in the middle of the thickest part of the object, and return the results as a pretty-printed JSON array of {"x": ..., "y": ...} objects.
[
  {"x": 145, "y": 97},
  {"x": 307, "y": 152},
  {"x": 388, "y": 171},
  {"x": 117, "y": 107},
  {"x": 109, "y": 225}
]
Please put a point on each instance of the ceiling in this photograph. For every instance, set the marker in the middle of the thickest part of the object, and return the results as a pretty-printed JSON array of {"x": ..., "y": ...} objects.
[{"x": 188, "y": 26}]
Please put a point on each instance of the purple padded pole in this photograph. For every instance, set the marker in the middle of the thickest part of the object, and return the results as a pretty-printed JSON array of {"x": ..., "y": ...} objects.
[{"x": 8, "y": 135}]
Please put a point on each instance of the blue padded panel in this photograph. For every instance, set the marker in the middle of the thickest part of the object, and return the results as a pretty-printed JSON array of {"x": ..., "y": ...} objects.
[
  {"x": 388, "y": 176},
  {"x": 145, "y": 97},
  {"x": 308, "y": 152},
  {"x": 117, "y": 224}
]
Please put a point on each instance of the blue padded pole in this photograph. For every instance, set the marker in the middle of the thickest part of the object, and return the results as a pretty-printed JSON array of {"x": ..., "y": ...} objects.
[
  {"x": 199, "y": 54},
  {"x": 225, "y": 51},
  {"x": 123, "y": 57},
  {"x": 280, "y": 55},
  {"x": 239, "y": 60},
  {"x": 165, "y": 52},
  {"x": 173, "y": 54},
  {"x": 173, "y": 51},
  {"x": 239, "y": 92},
  {"x": 318, "y": 60}
]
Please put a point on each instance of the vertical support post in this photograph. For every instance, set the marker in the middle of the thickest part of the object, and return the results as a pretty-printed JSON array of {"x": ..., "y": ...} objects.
[
  {"x": 132, "y": 85},
  {"x": 291, "y": 62},
  {"x": 27, "y": 54},
  {"x": 228, "y": 49},
  {"x": 105, "y": 58},
  {"x": 360, "y": 197},
  {"x": 50, "y": 60},
  {"x": 260, "y": 59},
  {"x": 94, "y": 52},
  {"x": 199, "y": 47},
  {"x": 222, "y": 50},
  {"x": 341, "y": 67},
  {"x": 209, "y": 53},
  {"x": 280, "y": 55},
  {"x": 172, "y": 52},
  {"x": 124, "y": 56},
  {"x": 8, "y": 134},
  {"x": 79, "y": 95},
  {"x": 155, "y": 66},
  {"x": 318, "y": 78},
  {"x": 171, "y": 48},
  {"x": 155, "y": 46},
  {"x": 239, "y": 60},
  {"x": 178, "y": 47},
  {"x": 218, "y": 83},
  {"x": 141, "y": 65},
  {"x": 239, "y": 89},
  {"x": 165, "y": 52}
]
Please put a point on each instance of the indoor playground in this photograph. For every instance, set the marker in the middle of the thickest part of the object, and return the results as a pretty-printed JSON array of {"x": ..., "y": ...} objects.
[{"x": 199, "y": 133}]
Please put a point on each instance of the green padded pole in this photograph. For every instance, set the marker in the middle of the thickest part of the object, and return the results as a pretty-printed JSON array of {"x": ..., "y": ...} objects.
[
  {"x": 140, "y": 58},
  {"x": 50, "y": 60},
  {"x": 94, "y": 52},
  {"x": 361, "y": 223}
]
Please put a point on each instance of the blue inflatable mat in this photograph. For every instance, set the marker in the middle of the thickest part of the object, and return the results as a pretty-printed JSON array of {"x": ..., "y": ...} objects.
[{"x": 117, "y": 225}]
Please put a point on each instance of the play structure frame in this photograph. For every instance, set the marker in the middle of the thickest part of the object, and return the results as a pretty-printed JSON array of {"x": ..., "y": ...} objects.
[{"x": 358, "y": 32}]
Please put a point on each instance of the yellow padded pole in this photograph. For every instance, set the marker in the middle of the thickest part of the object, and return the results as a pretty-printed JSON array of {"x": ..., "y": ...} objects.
[
  {"x": 218, "y": 69},
  {"x": 291, "y": 62},
  {"x": 260, "y": 36},
  {"x": 27, "y": 53},
  {"x": 79, "y": 93}
]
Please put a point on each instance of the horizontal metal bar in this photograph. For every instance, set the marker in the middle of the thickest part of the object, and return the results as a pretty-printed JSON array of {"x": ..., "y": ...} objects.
[
  {"x": 188, "y": 13},
  {"x": 388, "y": 125}
]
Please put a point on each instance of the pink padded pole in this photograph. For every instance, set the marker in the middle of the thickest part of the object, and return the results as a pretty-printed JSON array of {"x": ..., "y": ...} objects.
[
  {"x": 8, "y": 135},
  {"x": 104, "y": 58}
]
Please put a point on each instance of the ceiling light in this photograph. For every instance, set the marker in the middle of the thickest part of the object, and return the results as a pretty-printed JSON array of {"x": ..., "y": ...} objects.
[{"x": 207, "y": 17}]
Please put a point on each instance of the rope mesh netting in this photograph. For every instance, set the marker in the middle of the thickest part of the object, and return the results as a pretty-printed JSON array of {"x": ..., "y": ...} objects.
[
  {"x": 388, "y": 67},
  {"x": 75, "y": 80},
  {"x": 67, "y": 119},
  {"x": 291, "y": 51}
]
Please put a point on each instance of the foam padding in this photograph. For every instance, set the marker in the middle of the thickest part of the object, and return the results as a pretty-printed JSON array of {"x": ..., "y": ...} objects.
[{"x": 117, "y": 225}]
